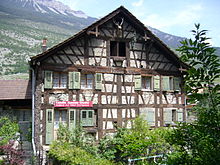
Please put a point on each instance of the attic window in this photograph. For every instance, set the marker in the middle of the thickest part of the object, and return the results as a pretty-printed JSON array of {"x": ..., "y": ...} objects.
[{"x": 117, "y": 49}]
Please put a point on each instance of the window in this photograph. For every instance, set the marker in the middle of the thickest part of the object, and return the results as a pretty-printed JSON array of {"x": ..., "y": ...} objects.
[
  {"x": 87, "y": 81},
  {"x": 174, "y": 115},
  {"x": 147, "y": 83},
  {"x": 117, "y": 49},
  {"x": 87, "y": 118},
  {"x": 167, "y": 83},
  {"x": 24, "y": 115},
  {"x": 49, "y": 117},
  {"x": 59, "y": 80}
]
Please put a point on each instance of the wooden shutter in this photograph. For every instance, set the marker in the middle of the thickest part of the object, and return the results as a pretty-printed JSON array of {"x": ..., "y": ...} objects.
[
  {"x": 88, "y": 119},
  {"x": 176, "y": 83},
  {"x": 180, "y": 115},
  {"x": 137, "y": 82},
  {"x": 49, "y": 126},
  {"x": 72, "y": 119},
  {"x": 48, "y": 79},
  {"x": 151, "y": 116},
  {"x": 167, "y": 114},
  {"x": 98, "y": 81},
  {"x": 156, "y": 83},
  {"x": 166, "y": 83},
  {"x": 83, "y": 119},
  {"x": 76, "y": 80},
  {"x": 70, "y": 77}
]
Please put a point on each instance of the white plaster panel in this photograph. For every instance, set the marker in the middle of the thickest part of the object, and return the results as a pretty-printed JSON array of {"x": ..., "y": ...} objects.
[
  {"x": 108, "y": 77},
  {"x": 144, "y": 64},
  {"x": 129, "y": 89},
  {"x": 58, "y": 97},
  {"x": 109, "y": 113},
  {"x": 170, "y": 98},
  {"x": 96, "y": 51},
  {"x": 104, "y": 113},
  {"x": 128, "y": 78},
  {"x": 140, "y": 101},
  {"x": 180, "y": 100},
  {"x": 103, "y": 62},
  {"x": 91, "y": 61},
  {"x": 130, "y": 100},
  {"x": 109, "y": 125},
  {"x": 137, "y": 55},
  {"x": 130, "y": 113},
  {"x": 41, "y": 115},
  {"x": 95, "y": 99},
  {"x": 111, "y": 99},
  {"x": 131, "y": 54},
  {"x": 109, "y": 88},
  {"x": 158, "y": 99},
  {"x": 148, "y": 98},
  {"x": 132, "y": 63},
  {"x": 74, "y": 97}
]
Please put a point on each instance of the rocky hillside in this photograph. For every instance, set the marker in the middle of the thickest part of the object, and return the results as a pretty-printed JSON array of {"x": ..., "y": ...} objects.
[{"x": 24, "y": 23}]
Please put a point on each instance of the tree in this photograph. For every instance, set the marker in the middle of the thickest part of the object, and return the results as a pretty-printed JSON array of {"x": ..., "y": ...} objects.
[
  {"x": 8, "y": 130},
  {"x": 138, "y": 141},
  {"x": 75, "y": 147},
  {"x": 199, "y": 142}
]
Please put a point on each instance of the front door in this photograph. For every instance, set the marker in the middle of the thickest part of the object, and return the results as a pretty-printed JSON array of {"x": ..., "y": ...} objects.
[{"x": 60, "y": 117}]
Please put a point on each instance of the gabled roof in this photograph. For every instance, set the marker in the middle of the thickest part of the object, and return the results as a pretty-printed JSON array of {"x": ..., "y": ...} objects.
[
  {"x": 131, "y": 17},
  {"x": 15, "y": 89}
]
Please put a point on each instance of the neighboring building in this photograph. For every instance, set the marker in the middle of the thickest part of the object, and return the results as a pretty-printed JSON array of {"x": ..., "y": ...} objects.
[
  {"x": 107, "y": 74},
  {"x": 15, "y": 102}
]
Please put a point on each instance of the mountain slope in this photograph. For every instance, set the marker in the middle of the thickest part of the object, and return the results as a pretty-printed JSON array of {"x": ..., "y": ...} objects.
[{"x": 23, "y": 25}]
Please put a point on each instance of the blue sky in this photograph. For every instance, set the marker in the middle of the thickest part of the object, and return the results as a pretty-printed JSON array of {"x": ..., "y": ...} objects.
[{"x": 176, "y": 17}]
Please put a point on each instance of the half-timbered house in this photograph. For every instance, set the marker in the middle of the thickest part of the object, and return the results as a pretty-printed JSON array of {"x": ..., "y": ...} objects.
[{"x": 105, "y": 75}]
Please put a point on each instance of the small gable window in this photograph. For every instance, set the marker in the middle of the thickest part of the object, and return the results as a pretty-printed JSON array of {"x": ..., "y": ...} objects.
[{"x": 117, "y": 49}]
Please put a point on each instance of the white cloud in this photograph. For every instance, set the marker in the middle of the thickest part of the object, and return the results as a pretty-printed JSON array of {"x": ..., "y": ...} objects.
[
  {"x": 138, "y": 3},
  {"x": 187, "y": 16}
]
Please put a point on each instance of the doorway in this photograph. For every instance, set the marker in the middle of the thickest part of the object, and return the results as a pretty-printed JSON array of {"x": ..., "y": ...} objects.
[{"x": 60, "y": 117}]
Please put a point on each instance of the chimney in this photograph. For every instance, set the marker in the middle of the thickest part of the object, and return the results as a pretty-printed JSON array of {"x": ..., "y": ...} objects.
[{"x": 44, "y": 45}]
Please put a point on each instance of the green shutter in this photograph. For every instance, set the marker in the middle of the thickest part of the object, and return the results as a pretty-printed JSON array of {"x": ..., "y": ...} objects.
[
  {"x": 166, "y": 83},
  {"x": 76, "y": 80},
  {"x": 167, "y": 114},
  {"x": 151, "y": 116},
  {"x": 83, "y": 118},
  {"x": 176, "y": 83},
  {"x": 72, "y": 119},
  {"x": 137, "y": 82},
  {"x": 156, "y": 83},
  {"x": 87, "y": 118},
  {"x": 48, "y": 79},
  {"x": 90, "y": 119},
  {"x": 70, "y": 80},
  {"x": 98, "y": 81},
  {"x": 180, "y": 115},
  {"x": 49, "y": 126}
]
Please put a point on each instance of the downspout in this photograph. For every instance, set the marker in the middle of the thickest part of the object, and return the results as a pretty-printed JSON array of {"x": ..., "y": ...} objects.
[{"x": 33, "y": 107}]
